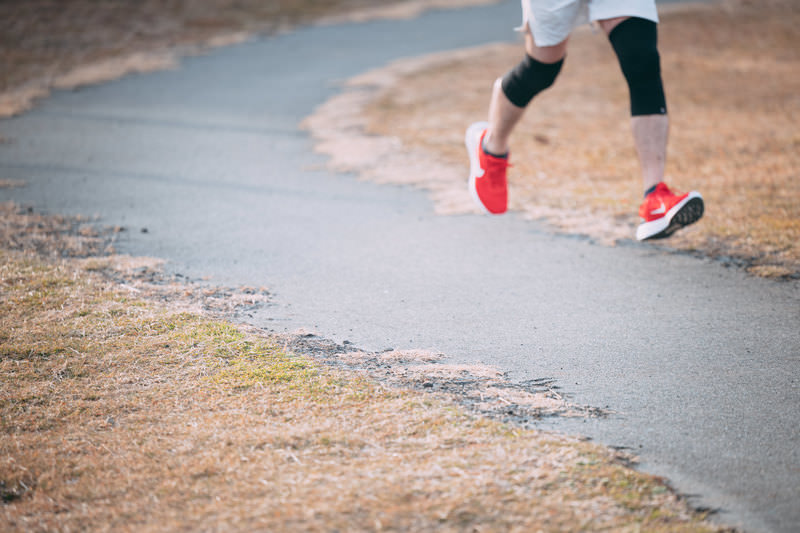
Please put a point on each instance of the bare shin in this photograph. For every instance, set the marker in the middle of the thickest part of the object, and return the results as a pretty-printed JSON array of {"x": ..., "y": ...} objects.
[{"x": 650, "y": 134}]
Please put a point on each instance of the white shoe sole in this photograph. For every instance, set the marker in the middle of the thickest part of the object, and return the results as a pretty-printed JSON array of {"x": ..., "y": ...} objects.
[
  {"x": 687, "y": 211},
  {"x": 471, "y": 140}
]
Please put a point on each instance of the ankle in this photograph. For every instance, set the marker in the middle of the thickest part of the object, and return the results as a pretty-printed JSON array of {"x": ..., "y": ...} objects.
[
  {"x": 650, "y": 189},
  {"x": 493, "y": 148}
]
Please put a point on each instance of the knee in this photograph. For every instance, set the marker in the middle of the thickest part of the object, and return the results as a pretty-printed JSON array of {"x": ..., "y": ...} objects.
[
  {"x": 529, "y": 78},
  {"x": 635, "y": 41}
]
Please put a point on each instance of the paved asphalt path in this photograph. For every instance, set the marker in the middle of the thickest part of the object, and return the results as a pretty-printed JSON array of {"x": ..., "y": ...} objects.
[{"x": 698, "y": 362}]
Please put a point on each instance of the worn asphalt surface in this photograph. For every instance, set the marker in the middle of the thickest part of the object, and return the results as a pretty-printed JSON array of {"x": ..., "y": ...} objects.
[{"x": 698, "y": 362}]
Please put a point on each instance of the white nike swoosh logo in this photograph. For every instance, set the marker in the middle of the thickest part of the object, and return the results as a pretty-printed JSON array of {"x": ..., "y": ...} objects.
[
  {"x": 480, "y": 173},
  {"x": 660, "y": 211}
]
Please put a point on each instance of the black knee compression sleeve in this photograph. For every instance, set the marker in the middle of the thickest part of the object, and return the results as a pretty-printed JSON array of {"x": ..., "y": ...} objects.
[
  {"x": 635, "y": 42},
  {"x": 529, "y": 78}
]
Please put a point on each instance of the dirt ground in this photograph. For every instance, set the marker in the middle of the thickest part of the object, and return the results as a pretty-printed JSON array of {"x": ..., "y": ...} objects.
[{"x": 732, "y": 75}]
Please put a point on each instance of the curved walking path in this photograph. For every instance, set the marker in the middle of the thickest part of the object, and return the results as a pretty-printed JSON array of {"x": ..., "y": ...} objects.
[{"x": 697, "y": 362}]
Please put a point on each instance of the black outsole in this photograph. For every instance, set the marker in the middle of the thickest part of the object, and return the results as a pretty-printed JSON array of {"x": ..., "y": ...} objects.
[{"x": 688, "y": 214}]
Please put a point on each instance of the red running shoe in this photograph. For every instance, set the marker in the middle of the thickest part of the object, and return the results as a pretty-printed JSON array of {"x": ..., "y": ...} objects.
[
  {"x": 664, "y": 212},
  {"x": 487, "y": 173}
]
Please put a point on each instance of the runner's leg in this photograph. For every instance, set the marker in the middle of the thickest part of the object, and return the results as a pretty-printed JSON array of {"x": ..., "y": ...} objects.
[
  {"x": 650, "y": 132},
  {"x": 503, "y": 115}
]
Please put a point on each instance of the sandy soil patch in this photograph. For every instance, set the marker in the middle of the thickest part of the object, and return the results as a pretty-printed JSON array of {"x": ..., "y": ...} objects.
[
  {"x": 480, "y": 388},
  {"x": 731, "y": 73}
]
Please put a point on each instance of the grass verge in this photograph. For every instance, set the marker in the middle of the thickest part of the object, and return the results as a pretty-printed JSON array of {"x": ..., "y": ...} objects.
[{"x": 121, "y": 412}]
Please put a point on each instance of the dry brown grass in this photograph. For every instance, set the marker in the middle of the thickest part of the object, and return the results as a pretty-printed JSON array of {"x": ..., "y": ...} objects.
[
  {"x": 119, "y": 412},
  {"x": 23, "y": 229},
  {"x": 732, "y": 73},
  {"x": 48, "y": 44}
]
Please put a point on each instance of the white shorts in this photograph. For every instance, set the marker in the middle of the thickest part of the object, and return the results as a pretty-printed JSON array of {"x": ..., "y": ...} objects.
[{"x": 551, "y": 21}]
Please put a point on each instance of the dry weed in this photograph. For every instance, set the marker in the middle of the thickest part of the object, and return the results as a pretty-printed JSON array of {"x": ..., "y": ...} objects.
[{"x": 24, "y": 229}]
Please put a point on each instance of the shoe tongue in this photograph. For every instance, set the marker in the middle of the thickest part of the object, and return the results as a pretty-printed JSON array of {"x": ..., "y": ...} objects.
[{"x": 499, "y": 165}]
